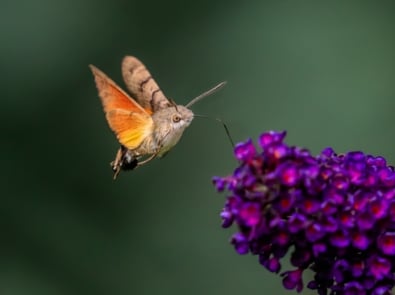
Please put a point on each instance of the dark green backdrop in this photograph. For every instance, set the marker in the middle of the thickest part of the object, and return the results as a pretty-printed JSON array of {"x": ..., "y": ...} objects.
[{"x": 324, "y": 71}]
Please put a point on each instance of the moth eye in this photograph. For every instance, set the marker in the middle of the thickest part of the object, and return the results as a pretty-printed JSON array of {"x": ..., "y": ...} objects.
[{"x": 176, "y": 118}]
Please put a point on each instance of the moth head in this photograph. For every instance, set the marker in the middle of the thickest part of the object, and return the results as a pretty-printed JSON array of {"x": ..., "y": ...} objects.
[
  {"x": 176, "y": 118},
  {"x": 181, "y": 117}
]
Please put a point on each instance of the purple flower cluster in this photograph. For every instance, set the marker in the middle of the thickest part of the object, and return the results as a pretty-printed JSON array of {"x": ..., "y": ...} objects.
[{"x": 334, "y": 213}]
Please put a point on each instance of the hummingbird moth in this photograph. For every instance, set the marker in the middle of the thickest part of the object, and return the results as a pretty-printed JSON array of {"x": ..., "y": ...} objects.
[{"x": 146, "y": 124}]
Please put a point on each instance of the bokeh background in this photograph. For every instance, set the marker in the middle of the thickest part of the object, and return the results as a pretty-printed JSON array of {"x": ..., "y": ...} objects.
[{"x": 322, "y": 70}]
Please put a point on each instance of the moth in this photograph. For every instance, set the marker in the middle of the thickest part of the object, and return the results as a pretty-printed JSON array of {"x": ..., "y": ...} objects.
[{"x": 147, "y": 124}]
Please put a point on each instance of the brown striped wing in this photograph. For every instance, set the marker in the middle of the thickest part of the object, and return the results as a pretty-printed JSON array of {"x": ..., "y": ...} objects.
[{"x": 141, "y": 84}]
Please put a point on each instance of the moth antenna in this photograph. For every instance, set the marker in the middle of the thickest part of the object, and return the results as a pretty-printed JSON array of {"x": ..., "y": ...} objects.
[
  {"x": 207, "y": 93},
  {"x": 223, "y": 124}
]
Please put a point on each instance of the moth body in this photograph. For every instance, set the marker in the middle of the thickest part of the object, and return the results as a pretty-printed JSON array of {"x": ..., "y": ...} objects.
[{"x": 147, "y": 125}]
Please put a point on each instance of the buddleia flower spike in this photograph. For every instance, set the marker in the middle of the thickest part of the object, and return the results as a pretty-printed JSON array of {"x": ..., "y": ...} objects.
[{"x": 334, "y": 213}]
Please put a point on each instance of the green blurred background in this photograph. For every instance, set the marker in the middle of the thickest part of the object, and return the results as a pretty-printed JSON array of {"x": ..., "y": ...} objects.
[{"x": 323, "y": 70}]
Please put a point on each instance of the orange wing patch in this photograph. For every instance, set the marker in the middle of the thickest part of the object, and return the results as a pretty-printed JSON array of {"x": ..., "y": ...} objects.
[
  {"x": 131, "y": 128},
  {"x": 129, "y": 121}
]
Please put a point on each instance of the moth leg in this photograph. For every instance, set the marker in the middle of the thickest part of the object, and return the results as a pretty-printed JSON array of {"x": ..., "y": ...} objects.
[
  {"x": 116, "y": 164},
  {"x": 116, "y": 172},
  {"x": 124, "y": 160},
  {"x": 141, "y": 163},
  {"x": 164, "y": 155},
  {"x": 153, "y": 156}
]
